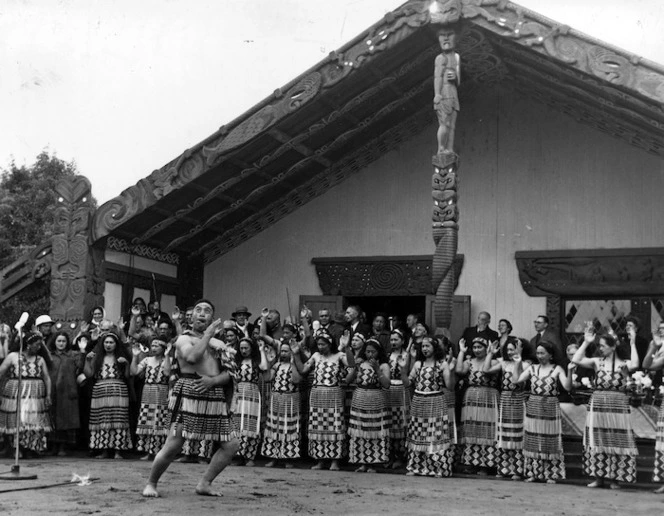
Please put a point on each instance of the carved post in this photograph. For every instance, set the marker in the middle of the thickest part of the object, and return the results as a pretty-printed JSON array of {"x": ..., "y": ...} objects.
[
  {"x": 76, "y": 269},
  {"x": 444, "y": 16},
  {"x": 445, "y": 235}
]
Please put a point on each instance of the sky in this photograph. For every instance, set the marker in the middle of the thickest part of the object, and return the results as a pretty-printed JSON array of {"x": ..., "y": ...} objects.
[{"x": 122, "y": 87}]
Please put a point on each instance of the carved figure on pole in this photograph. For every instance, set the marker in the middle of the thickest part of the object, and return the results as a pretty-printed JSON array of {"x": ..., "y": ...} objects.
[
  {"x": 445, "y": 16},
  {"x": 445, "y": 81}
]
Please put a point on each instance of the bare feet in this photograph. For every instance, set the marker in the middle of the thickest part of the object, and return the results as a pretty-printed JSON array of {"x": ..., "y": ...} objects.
[
  {"x": 145, "y": 457},
  {"x": 118, "y": 456},
  {"x": 289, "y": 465},
  {"x": 150, "y": 491},
  {"x": 334, "y": 466},
  {"x": 659, "y": 490},
  {"x": 361, "y": 469},
  {"x": 397, "y": 464},
  {"x": 530, "y": 479},
  {"x": 103, "y": 455},
  {"x": 614, "y": 485},
  {"x": 516, "y": 477},
  {"x": 271, "y": 464},
  {"x": 410, "y": 474},
  {"x": 205, "y": 489},
  {"x": 551, "y": 481},
  {"x": 249, "y": 464},
  {"x": 371, "y": 470},
  {"x": 318, "y": 465},
  {"x": 596, "y": 483}
]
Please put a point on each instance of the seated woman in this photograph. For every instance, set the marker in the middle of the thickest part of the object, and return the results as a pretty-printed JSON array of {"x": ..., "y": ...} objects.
[{"x": 609, "y": 447}]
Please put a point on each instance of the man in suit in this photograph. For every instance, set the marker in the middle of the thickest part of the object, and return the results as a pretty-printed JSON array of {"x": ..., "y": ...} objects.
[
  {"x": 481, "y": 330},
  {"x": 544, "y": 333},
  {"x": 355, "y": 325}
]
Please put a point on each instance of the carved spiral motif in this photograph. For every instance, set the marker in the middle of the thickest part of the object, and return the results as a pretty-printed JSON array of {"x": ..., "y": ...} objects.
[{"x": 387, "y": 276}]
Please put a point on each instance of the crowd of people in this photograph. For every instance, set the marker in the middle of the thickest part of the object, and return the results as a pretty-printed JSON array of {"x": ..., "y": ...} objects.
[{"x": 334, "y": 389}]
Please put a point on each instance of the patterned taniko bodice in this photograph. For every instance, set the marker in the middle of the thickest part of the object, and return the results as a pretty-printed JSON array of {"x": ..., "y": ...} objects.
[
  {"x": 109, "y": 372},
  {"x": 154, "y": 374},
  {"x": 543, "y": 385},
  {"x": 367, "y": 378},
  {"x": 248, "y": 373},
  {"x": 477, "y": 378},
  {"x": 430, "y": 379},
  {"x": 508, "y": 377},
  {"x": 327, "y": 373},
  {"x": 283, "y": 379},
  {"x": 28, "y": 369},
  {"x": 395, "y": 370},
  {"x": 606, "y": 380}
]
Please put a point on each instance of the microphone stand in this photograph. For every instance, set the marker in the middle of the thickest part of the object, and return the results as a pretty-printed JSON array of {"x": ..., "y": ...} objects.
[{"x": 15, "y": 472}]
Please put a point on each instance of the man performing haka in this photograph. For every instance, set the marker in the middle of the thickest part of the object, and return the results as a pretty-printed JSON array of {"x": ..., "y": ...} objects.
[{"x": 200, "y": 401}]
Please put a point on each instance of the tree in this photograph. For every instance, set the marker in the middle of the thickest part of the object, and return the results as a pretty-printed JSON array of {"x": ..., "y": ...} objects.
[{"x": 27, "y": 204}]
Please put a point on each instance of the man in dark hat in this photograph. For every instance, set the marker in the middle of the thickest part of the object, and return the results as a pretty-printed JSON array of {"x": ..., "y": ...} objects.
[{"x": 241, "y": 317}]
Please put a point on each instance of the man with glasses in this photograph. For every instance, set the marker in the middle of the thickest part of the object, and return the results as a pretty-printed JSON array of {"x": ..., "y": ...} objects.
[{"x": 546, "y": 334}]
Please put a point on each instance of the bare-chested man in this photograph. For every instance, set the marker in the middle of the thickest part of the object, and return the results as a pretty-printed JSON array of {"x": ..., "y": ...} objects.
[{"x": 199, "y": 404}]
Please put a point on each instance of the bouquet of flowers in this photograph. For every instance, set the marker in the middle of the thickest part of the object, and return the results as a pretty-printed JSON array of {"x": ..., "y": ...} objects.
[{"x": 638, "y": 387}]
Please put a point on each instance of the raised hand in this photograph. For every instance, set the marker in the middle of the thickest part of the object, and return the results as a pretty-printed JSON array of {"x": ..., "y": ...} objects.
[
  {"x": 344, "y": 340},
  {"x": 401, "y": 362},
  {"x": 212, "y": 329},
  {"x": 85, "y": 326},
  {"x": 462, "y": 346},
  {"x": 136, "y": 349},
  {"x": 493, "y": 348},
  {"x": 589, "y": 335},
  {"x": 518, "y": 351},
  {"x": 265, "y": 312},
  {"x": 135, "y": 310},
  {"x": 294, "y": 347},
  {"x": 176, "y": 314}
]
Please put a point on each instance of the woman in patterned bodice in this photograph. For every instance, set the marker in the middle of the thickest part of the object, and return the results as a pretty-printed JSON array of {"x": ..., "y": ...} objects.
[
  {"x": 108, "y": 364},
  {"x": 35, "y": 396},
  {"x": 281, "y": 439},
  {"x": 398, "y": 399},
  {"x": 252, "y": 363},
  {"x": 326, "y": 425},
  {"x": 654, "y": 361},
  {"x": 609, "y": 447},
  {"x": 153, "y": 418},
  {"x": 428, "y": 441},
  {"x": 369, "y": 424},
  {"x": 543, "y": 458},
  {"x": 509, "y": 455},
  {"x": 479, "y": 412}
]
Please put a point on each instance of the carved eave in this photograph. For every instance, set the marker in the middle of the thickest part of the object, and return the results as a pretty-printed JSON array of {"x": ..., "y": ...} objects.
[
  {"x": 365, "y": 100},
  {"x": 592, "y": 272}
]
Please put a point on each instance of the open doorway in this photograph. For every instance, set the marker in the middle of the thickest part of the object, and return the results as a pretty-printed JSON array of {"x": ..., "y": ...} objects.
[{"x": 393, "y": 306}]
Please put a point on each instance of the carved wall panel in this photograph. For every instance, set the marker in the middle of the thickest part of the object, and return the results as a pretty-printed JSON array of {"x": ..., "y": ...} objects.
[
  {"x": 601, "y": 272},
  {"x": 377, "y": 276}
]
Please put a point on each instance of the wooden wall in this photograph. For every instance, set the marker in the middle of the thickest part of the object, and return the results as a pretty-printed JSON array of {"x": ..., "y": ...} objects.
[{"x": 531, "y": 179}]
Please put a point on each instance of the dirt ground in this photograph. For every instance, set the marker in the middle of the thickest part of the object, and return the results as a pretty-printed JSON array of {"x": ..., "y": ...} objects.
[{"x": 260, "y": 490}]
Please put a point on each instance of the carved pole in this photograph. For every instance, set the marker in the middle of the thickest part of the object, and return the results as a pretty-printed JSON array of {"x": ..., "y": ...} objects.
[
  {"x": 76, "y": 278},
  {"x": 444, "y": 16}
]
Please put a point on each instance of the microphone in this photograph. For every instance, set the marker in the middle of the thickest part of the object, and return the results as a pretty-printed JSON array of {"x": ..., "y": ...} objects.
[{"x": 21, "y": 322}]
